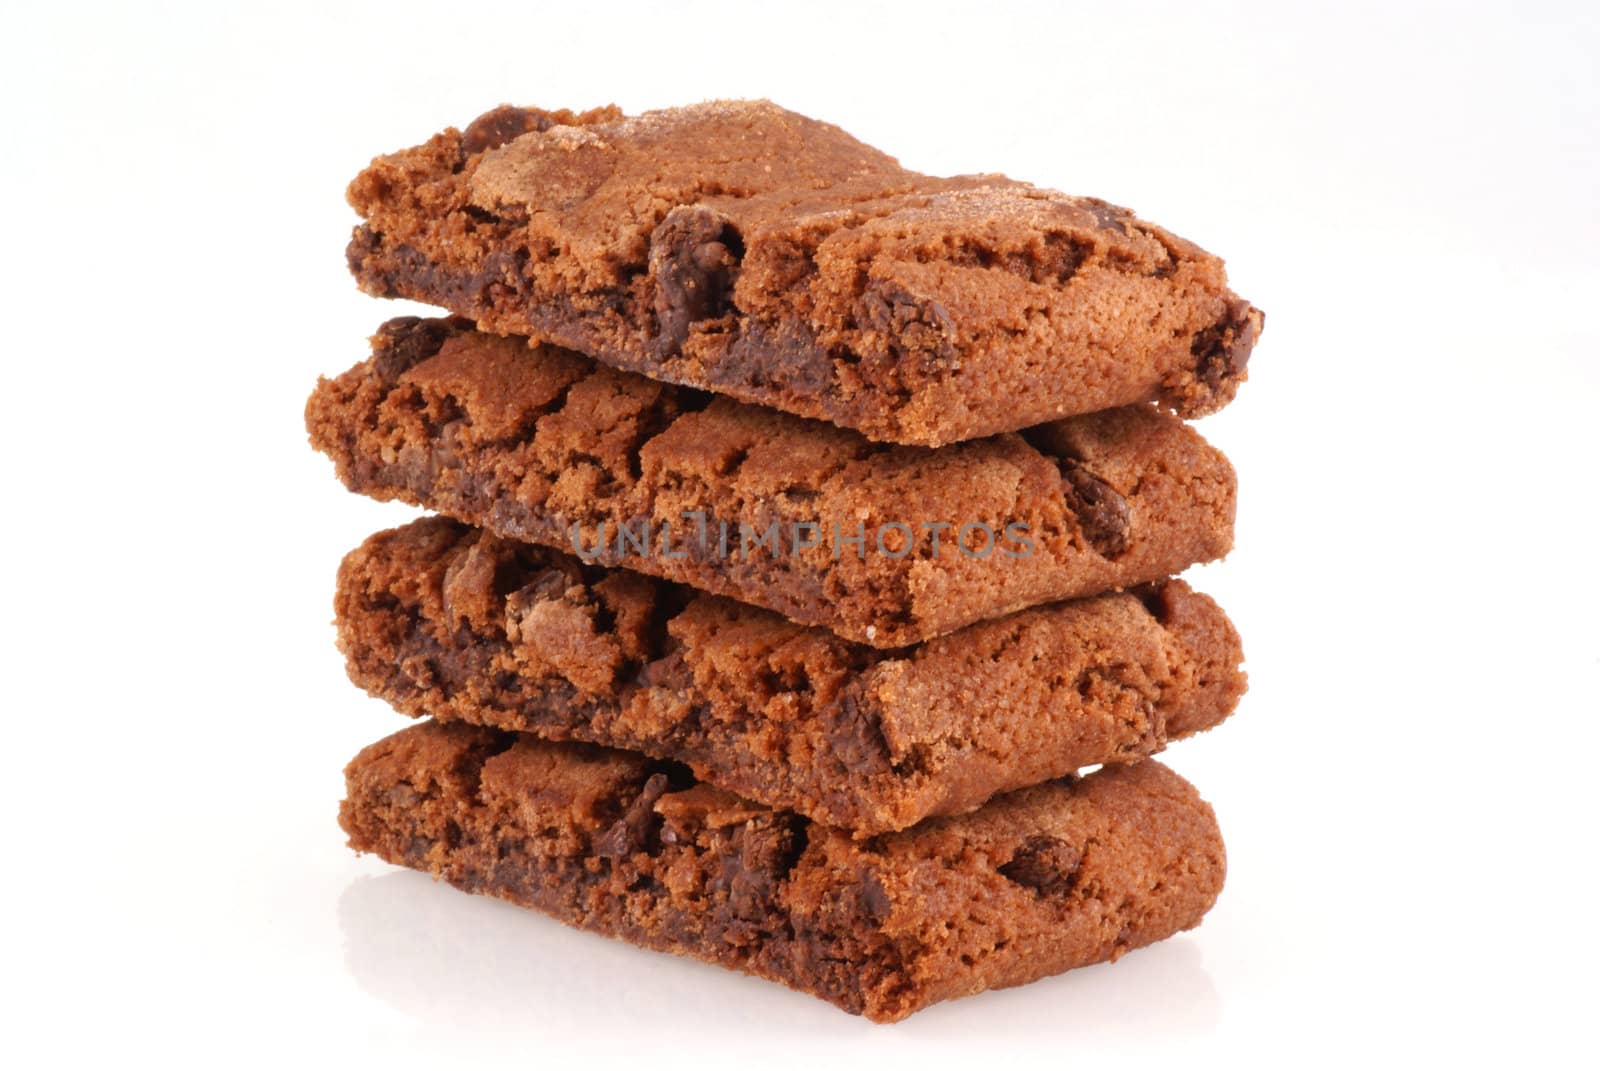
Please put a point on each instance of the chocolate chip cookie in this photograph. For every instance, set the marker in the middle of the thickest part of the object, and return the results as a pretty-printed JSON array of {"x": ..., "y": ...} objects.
[
  {"x": 1033, "y": 883},
  {"x": 743, "y": 249}
]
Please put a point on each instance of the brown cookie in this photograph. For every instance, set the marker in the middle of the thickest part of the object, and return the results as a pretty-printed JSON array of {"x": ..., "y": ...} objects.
[
  {"x": 444, "y": 620},
  {"x": 1033, "y": 883},
  {"x": 886, "y": 545},
  {"x": 743, "y": 249}
]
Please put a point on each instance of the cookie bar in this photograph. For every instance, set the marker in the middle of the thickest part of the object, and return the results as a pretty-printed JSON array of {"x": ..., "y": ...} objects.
[
  {"x": 887, "y": 545},
  {"x": 445, "y": 620},
  {"x": 1034, "y": 883},
  {"x": 743, "y": 249}
]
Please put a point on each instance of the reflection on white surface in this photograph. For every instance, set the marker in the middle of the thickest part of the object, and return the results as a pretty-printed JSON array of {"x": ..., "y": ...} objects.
[{"x": 449, "y": 959}]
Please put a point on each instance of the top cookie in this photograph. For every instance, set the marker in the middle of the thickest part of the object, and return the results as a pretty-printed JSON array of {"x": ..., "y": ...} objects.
[{"x": 741, "y": 248}]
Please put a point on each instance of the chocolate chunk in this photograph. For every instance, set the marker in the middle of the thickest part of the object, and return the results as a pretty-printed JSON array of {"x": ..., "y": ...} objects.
[
  {"x": 694, "y": 258},
  {"x": 774, "y": 356},
  {"x": 635, "y": 831},
  {"x": 1224, "y": 348},
  {"x": 1102, "y": 513},
  {"x": 405, "y": 342},
  {"x": 1159, "y": 599},
  {"x": 875, "y": 900},
  {"x": 1045, "y": 864},
  {"x": 545, "y": 585},
  {"x": 502, "y": 274},
  {"x": 913, "y": 325},
  {"x": 857, "y": 738},
  {"x": 494, "y": 128},
  {"x": 1108, "y": 217},
  {"x": 766, "y": 851}
]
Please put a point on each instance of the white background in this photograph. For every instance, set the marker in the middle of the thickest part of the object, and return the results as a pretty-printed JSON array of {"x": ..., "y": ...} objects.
[{"x": 1408, "y": 191}]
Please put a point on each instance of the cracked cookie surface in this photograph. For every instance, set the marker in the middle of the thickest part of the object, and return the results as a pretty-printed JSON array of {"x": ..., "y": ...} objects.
[
  {"x": 1033, "y": 883},
  {"x": 447, "y": 621},
  {"x": 538, "y": 444},
  {"x": 740, "y": 248}
]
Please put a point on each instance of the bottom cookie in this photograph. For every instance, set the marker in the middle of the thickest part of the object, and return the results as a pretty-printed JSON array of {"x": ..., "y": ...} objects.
[{"x": 1033, "y": 883}]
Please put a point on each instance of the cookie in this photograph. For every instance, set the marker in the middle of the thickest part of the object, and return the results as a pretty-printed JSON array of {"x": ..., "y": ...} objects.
[
  {"x": 743, "y": 249},
  {"x": 886, "y": 545},
  {"x": 1033, "y": 883},
  {"x": 444, "y": 620}
]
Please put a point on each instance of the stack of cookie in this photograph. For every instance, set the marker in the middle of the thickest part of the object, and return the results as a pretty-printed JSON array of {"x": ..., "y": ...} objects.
[{"x": 806, "y": 525}]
